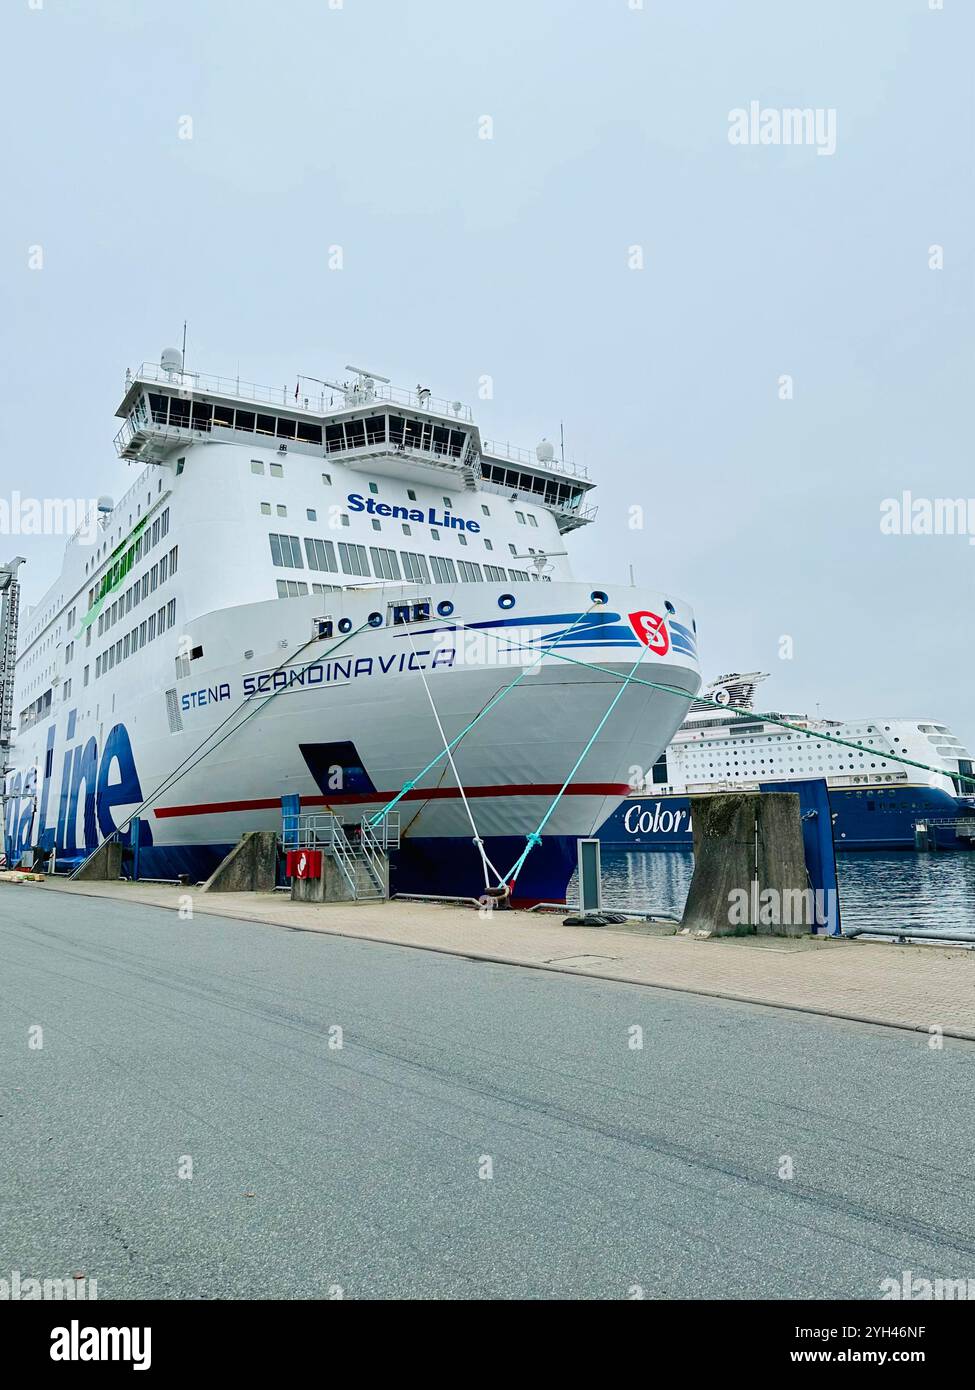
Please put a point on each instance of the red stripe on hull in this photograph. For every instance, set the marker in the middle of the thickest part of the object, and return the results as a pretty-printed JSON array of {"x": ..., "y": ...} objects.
[{"x": 216, "y": 808}]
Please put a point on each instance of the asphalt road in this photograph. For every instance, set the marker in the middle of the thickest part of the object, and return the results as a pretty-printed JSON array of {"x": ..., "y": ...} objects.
[{"x": 317, "y": 1169}]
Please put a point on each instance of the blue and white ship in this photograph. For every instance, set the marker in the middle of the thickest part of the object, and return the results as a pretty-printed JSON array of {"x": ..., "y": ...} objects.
[
  {"x": 877, "y": 801},
  {"x": 304, "y": 595}
]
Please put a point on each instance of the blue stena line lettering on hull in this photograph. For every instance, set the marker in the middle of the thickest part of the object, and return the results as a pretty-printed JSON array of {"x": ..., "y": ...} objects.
[
  {"x": 445, "y": 520},
  {"x": 348, "y": 669},
  {"x": 211, "y": 696},
  {"x": 108, "y": 781}
]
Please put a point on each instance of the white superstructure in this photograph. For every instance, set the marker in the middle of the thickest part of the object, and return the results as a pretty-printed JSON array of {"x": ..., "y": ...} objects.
[{"x": 297, "y": 583}]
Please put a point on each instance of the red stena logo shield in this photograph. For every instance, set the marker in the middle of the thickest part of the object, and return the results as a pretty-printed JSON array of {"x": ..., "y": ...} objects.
[{"x": 652, "y": 631}]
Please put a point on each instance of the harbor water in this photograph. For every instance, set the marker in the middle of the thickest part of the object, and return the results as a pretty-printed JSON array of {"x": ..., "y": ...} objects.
[{"x": 876, "y": 889}]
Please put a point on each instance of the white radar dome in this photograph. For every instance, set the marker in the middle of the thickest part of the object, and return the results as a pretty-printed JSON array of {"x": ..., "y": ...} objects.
[
  {"x": 105, "y": 504},
  {"x": 544, "y": 452},
  {"x": 171, "y": 360}
]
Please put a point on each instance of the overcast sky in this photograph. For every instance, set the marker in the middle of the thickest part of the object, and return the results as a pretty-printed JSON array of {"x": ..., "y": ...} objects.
[{"x": 512, "y": 257}]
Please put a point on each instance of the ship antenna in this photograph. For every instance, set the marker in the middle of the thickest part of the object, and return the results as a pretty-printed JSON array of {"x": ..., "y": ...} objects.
[
  {"x": 184, "y": 345},
  {"x": 562, "y": 441}
]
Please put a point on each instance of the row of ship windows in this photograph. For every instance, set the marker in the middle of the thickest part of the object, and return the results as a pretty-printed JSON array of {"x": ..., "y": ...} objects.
[
  {"x": 130, "y": 557},
  {"x": 373, "y": 431},
  {"x": 143, "y": 633},
  {"x": 138, "y": 592},
  {"x": 386, "y": 564},
  {"x": 469, "y": 573},
  {"x": 754, "y": 766},
  {"x": 134, "y": 595},
  {"x": 114, "y": 540}
]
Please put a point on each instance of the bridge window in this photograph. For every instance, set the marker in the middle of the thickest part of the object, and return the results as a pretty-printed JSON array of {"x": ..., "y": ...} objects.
[{"x": 265, "y": 424}]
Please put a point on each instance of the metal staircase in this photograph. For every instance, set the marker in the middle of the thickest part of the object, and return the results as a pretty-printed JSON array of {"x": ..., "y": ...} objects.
[{"x": 360, "y": 852}]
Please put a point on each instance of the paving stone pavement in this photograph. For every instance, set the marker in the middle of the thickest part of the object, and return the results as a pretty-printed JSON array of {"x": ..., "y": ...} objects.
[{"x": 917, "y": 987}]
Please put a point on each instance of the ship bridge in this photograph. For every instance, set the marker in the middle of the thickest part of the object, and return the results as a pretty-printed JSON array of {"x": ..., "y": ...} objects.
[{"x": 367, "y": 424}]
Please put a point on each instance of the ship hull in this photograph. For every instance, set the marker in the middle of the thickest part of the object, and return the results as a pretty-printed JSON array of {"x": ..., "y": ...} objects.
[
  {"x": 266, "y": 711},
  {"x": 863, "y": 819}
]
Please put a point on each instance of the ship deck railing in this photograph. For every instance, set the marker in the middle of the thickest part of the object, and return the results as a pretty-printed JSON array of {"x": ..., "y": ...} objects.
[
  {"x": 326, "y": 402},
  {"x": 492, "y": 448}
]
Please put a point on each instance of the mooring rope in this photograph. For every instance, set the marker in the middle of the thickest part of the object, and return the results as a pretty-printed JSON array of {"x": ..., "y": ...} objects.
[
  {"x": 478, "y": 841},
  {"x": 749, "y": 714},
  {"x": 535, "y": 836},
  {"x": 409, "y": 785}
]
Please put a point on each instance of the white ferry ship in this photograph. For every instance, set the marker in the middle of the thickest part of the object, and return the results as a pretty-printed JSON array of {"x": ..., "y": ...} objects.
[
  {"x": 876, "y": 801},
  {"x": 303, "y": 594}
]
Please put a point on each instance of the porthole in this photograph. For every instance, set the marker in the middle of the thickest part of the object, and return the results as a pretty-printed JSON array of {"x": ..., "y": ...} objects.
[
  {"x": 345, "y": 624},
  {"x": 375, "y": 620},
  {"x": 599, "y": 597},
  {"x": 445, "y": 608},
  {"x": 508, "y": 601}
]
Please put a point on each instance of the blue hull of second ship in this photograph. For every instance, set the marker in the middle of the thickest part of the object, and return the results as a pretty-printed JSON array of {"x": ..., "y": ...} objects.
[{"x": 863, "y": 818}]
